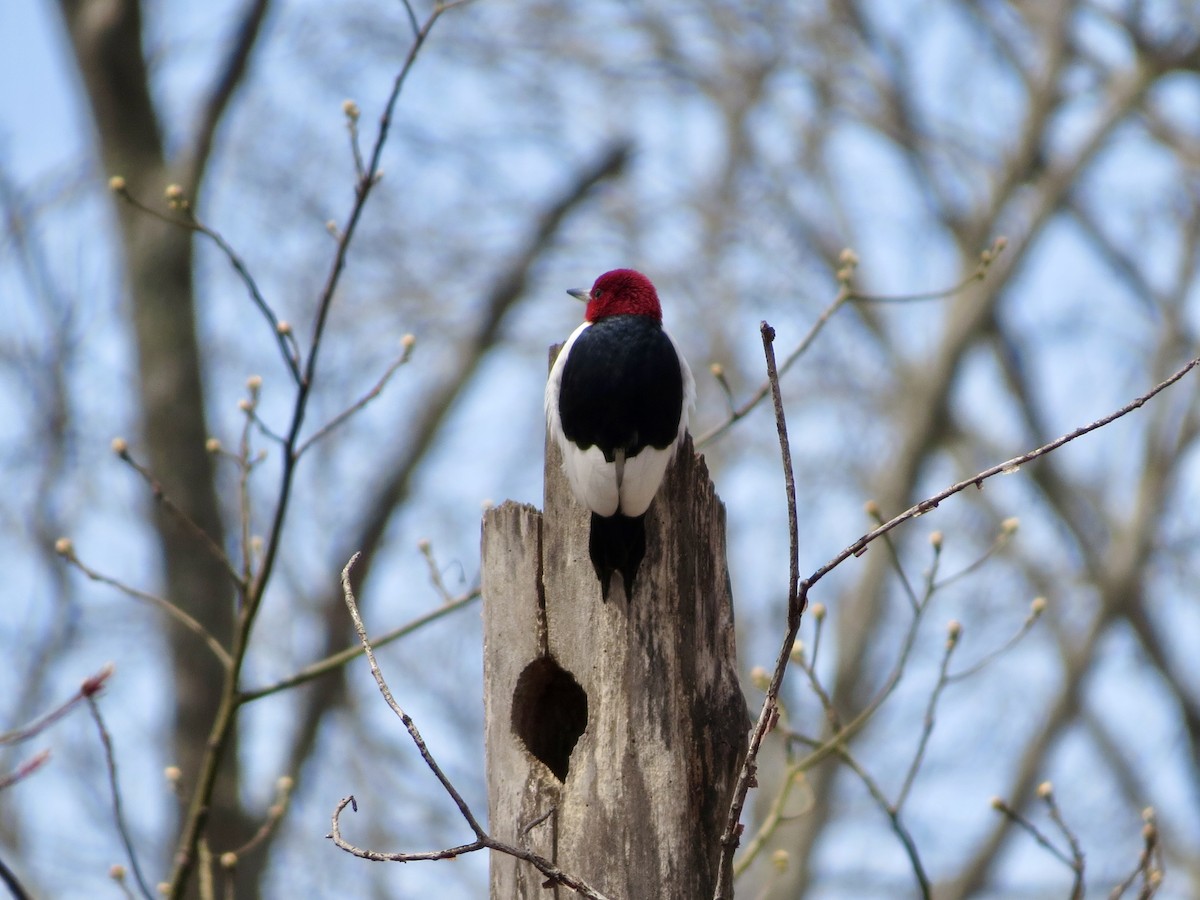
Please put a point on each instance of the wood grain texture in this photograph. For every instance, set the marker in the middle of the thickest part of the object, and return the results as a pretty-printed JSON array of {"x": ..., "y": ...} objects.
[{"x": 640, "y": 809}]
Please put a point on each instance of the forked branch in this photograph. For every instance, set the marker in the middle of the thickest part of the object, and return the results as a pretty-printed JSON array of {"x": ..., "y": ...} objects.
[
  {"x": 798, "y": 593},
  {"x": 483, "y": 840}
]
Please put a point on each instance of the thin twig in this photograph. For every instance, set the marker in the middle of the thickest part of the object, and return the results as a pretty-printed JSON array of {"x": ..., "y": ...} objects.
[
  {"x": 747, "y": 776},
  {"x": 339, "y": 659},
  {"x": 13, "y": 883},
  {"x": 288, "y": 348},
  {"x": 409, "y": 724},
  {"x": 40, "y": 724},
  {"x": 335, "y": 834},
  {"x": 1007, "y": 529},
  {"x": 772, "y": 820},
  {"x": 554, "y": 875},
  {"x": 350, "y": 108},
  {"x": 223, "y": 722},
  {"x": 1076, "y": 863},
  {"x": 1035, "y": 613},
  {"x": 160, "y": 495},
  {"x": 283, "y": 793},
  {"x": 166, "y": 606},
  {"x": 1032, "y": 830},
  {"x": 915, "y": 603},
  {"x": 245, "y": 466},
  {"x": 892, "y": 811},
  {"x": 1149, "y": 864},
  {"x": 482, "y": 839},
  {"x": 1008, "y": 467},
  {"x": 818, "y": 617},
  {"x": 930, "y": 710},
  {"x": 340, "y": 418},
  {"x": 740, "y": 412},
  {"x": 25, "y": 769},
  {"x": 846, "y": 294},
  {"x": 111, "y": 763}
]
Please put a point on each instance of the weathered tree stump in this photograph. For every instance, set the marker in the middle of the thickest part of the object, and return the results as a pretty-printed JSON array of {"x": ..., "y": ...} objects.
[{"x": 614, "y": 730}]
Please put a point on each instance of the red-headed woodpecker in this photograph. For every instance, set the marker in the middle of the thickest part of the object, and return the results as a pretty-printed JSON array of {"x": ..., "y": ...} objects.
[{"x": 617, "y": 404}]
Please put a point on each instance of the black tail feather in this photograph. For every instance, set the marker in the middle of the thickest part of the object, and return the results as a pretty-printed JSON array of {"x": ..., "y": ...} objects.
[{"x": 617, "y": 544}]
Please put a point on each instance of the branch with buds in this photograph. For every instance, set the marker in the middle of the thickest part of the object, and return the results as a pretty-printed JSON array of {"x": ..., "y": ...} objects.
[{"x": 798, "y": 591}]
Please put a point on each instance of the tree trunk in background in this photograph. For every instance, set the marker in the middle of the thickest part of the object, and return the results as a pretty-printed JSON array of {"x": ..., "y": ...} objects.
[
  {"x": 158, "y": 271},
  {"x": 621, "y": 723}
]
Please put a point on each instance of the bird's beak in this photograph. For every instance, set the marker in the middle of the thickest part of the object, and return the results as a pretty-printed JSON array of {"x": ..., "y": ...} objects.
[{"x": 580, "y": 294}]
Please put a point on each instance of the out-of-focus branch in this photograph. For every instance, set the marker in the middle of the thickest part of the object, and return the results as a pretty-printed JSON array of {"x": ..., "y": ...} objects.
[
  {"x": 13, "y": 883},
  {"x": 846, "y": 294},
  {"x": 407, "y": 344},
  {"x": 202, "y": 537},
  {"x": 1008, "y": 467},
  {"x": 90, "y": 686},
  {"x": 25, "y": 769},
  {"x": 66, "y": 549},
  {"x": 1149, "y": 865},
  {"x": 1073, "y": 861},
  {"x": 232, "y": 74},
  {"x": 337, "y": 660},
  {"x": 110, "y": 763},
  {"x": 179, "y": 201}
]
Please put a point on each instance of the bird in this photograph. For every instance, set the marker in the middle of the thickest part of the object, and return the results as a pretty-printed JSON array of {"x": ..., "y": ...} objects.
[{"x": 617, "y": 403}]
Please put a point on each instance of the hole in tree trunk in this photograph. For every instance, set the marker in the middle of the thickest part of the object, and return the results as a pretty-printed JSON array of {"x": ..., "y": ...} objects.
[{"x": 549, "y": 713}]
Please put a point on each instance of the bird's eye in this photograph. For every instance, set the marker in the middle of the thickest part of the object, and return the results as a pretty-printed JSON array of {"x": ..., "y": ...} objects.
[{"x": 596, "y": 295}]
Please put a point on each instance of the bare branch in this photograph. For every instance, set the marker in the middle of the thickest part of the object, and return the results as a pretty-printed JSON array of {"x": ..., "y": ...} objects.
[
  {"x": 409, "y": 724},
  {"x": 1046, "y": 792},
  {"x": 767, "y": 717},
  {"x": 1149, "y": 865},
  {"x": 281, "y": 330},
  {"x": 283, "y": 793},
  {"x": 159, "y": 493},
  {"x": 337, "y": 660},
  {"x": 1008, "y": 467},
  {"x": 12, "y": 882},
  {"x": 845, "y": 294},
  {"x": 67, "y": 551},
  {"x": 224, "y": 719},
  {"x": 231, "y": 75},
  {"x": 892, "y": 811},
  {"x": 483, "y": 839},
  {"x": 25, "y": 769},
  {"x": 798, "y": 593},
  {"x": 40, "y": 724},
  {"x": 1033, "y": 831},
  {"x": 1036, "y": 608},
  {"x": 405, "y": 355},
  {"x": 115, "y": 790},
  {"x": 954, "y": 631}
]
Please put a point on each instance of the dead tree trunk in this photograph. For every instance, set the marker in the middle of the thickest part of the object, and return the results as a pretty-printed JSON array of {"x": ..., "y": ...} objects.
[{"x": 614, "y": 730}]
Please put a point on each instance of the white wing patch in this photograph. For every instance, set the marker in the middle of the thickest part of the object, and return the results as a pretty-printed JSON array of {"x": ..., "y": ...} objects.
[
  {"x": 643, "y": 474},
  {"x": 596, "y": 483}
]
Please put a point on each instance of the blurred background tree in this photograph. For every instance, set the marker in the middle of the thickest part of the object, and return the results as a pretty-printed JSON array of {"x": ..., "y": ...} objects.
[{"x": 763, "y": 139}]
